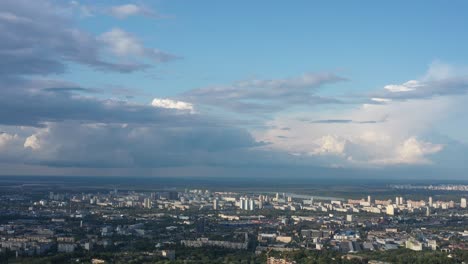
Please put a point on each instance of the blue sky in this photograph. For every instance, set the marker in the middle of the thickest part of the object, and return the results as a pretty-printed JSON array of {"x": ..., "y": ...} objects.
[
  {"x": 371, "y": 43},
  {"x": 151, "y": 87}
]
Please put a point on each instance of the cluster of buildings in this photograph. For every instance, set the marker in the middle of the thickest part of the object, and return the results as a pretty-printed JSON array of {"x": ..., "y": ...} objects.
[
  {"x": 96, "y": 221},
  {"x": 441, "y": 187}
]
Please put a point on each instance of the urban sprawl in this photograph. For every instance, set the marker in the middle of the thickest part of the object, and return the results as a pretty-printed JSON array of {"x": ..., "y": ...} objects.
[{"x": 161, "y": 224}]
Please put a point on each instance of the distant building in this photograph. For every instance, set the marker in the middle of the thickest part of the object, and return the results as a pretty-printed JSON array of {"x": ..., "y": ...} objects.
[
  {"x": 284, "y": 239},
  {"x": 463, "y": 203},
  {"x": 390, "y": 210},
  {"x": 171, "y": 195},
  {"x": 200, "y": 226},
  {"x": 88, "y": 246},
  {"x": 246, "y": 204},
  {"x": 170, "y": 254},
  {"x": 66, "y": 247},
  {"x": 260, "y": 202},
  {"x": 349, "y": 218},
  {"x": 414, "y": 245},
  {"x": 251, "y": 204},
  {"x": 243, "y": 203},
  {"x": 273, "y": 260},
  {"x": 451, "y": 204},
  {"x": 147, "y": 203},
  {"x": 205, "y": 242},
  {"x": 432, "y": 244},
  {"x": 215, "y": 204}
]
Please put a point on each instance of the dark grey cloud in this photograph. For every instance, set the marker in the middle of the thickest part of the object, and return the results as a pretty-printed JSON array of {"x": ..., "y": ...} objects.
[
  {"x": 39, "y": 38},
  {"x": 67, "y": 125},
  {"x": 258, "y": 95},
  {"x": 347, "y": 121},
  {"x": 70, "y": 90},
  {"x": 29, "y": 103},
  {"x": 332, "y": 121},
  {"x": 72, "y": 144}
]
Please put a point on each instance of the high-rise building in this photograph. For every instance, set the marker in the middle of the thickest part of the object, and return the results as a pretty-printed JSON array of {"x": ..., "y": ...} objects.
[
  {"x": 200, "y": 225},
  {"x": 243, "y": 203},
  {"x": 215, "y": 204},
  {"x": 251, "y": 204},
  {"x": 369, "y": 199},
  {"x": 390, "y": 210},
  {"x": 463, "y": 203},
  {"x": 246, "y": 204},
  {"x": 451, "y": 204},
  {"x": 430, "y": 201},
  {"x": 428, "y": 211},
  {"x": 432, "y": 244},
  {"x": 147, "y": 203},
  {"x": 260, "y": 202},
  {"x": 173, "y": 195},
  {"x": 402, "y": 202}
]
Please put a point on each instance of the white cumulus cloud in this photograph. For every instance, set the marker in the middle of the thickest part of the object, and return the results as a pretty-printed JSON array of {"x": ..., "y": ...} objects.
[
  {"x": 124, "y": 44},
  {"x": 32, "y": 142},
  {"x": 6, "y": 138},
  {"x": 172, "y": 104},
  {"x": 412, "y": 151},
  {"x": 392, "y": 133},
  {"x": 329, "y": 145},
  {"x": 405, "y": 87},
  {"x": 127, "y": 10}
]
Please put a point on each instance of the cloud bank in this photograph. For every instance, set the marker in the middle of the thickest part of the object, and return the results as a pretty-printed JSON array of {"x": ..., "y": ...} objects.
[{"x": 49, "y": 122}]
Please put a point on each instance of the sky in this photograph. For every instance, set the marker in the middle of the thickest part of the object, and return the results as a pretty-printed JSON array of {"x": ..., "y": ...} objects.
[{"x": 230, "y": 89}]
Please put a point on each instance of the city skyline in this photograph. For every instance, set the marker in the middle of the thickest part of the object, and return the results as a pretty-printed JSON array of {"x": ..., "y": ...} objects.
[
  {"x": 153, "y": 221},
  {"x": 167, "y": 88}
]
